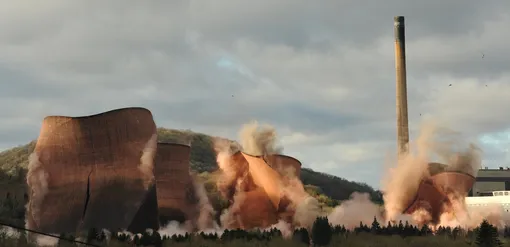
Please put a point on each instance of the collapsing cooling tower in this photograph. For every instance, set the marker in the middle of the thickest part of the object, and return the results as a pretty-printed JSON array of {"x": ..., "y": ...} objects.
[
  {"x": 176, "y": 198},
  {"x": 263, "y": 199},
  {"x": 286, "y": 165},
  {"x": 435, "y": 192},
  {"x": 93, "y": 171}
]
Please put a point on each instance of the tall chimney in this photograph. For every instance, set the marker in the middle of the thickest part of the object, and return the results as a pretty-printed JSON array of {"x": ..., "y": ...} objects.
[{"x": 400, "y": 67}]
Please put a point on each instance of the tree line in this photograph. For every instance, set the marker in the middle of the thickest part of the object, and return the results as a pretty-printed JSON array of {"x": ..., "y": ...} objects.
[{"x": 321, "y": 234}]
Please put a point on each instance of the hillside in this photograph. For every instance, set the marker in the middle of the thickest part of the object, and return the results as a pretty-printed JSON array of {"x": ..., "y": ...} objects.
[{"x": 14, "y": 162}]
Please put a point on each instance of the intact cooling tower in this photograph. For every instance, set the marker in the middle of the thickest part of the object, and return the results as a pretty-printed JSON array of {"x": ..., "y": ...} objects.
[
  {"x": 91, "y": 171},
  {"x": 434, "y": 194},
  {"x": 176, "y": 197}
]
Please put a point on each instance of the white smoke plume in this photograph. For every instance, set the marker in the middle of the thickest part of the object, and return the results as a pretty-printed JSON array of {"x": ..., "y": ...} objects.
[
  {"x": 147, "y": 160},
  {"x": 37, "y": 181}
]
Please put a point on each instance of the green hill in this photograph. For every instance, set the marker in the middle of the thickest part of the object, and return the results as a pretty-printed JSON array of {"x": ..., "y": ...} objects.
[{"x": 328, "y": 189}]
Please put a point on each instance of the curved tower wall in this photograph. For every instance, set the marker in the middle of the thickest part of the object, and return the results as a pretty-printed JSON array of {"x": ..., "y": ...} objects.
[
  {"x": 98, "y": 155},
  {"x": 435, "y": 192},
  {"x": 173, "y": 182},
  {"x": 265, "y": 177},
  {"x": 285, "y": 164}
]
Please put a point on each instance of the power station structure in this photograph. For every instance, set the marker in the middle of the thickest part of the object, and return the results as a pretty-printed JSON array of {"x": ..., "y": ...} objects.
[
  {"x": 489, "y": 180},
  {"x": 108, "y": 171},
  {"x": 436, "y": 190},
  {"x": 99, "y": 172}
]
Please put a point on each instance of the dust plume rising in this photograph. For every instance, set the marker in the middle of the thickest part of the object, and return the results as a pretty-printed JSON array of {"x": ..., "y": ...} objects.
[
  {"x": 37, "y": 181},
  {"x": 232, "y": 174},
  {"x": 252, "y": 194},
  {"x": 147, "y": 160},
  {"x": 434, "y": 144},
  {"x": 205, "y": 219},
  {"x": 259, "y": 140},
  {"x": 307, "y": 209},
  {"x": 359, "y": 208}
]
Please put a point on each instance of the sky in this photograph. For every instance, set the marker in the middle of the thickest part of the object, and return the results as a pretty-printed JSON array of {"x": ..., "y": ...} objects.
[{"x": 321, "y": 72}]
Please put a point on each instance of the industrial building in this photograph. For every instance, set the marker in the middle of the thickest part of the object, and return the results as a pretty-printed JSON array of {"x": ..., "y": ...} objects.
[{"x": 488, "y": 180}]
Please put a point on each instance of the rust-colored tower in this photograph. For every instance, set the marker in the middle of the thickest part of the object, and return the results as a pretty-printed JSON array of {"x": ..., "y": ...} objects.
[
  {"x": 286, "y": 165},
  {"x": 262, "y": 203},
  {"x": 435, "y": 193},
  {"x": 92, "y": 171},
  {"x": 176, "y": 196}
]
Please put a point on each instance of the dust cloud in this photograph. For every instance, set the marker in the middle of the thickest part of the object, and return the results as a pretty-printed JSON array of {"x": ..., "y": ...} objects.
[
  {"x": 434, "y": 146},
  {"x": 146, "y": 166},
  {"x": 37, "y": 181},
  {"x": 250, "y": 205},
  {"x": 205, "y": 219},
  {"x": 258, "y": 140},
  {"x": 357, "y": 209},
  {"x": 436, "y": 150}
]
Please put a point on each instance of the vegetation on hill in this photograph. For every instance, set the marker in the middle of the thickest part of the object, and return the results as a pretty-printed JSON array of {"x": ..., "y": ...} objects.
[
  {"x": 14, "y": 163},
  {"x": 329, "y": 190}
]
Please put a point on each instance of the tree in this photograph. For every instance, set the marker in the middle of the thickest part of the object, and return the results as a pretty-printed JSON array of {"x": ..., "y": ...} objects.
[
  {"x": 425, "y": 230},
  {"x": 376, "y": 227},
  {"x": 301, "y": 235},
  {"x": 321, "y": 231},
  {"x": 487, "y": 235}
]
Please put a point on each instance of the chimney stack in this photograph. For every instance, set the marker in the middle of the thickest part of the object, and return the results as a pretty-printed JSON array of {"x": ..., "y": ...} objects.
[{"x": 401, "y": 85}]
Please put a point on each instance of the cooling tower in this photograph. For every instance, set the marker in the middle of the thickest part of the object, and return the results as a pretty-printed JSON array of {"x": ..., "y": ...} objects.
[
  {"x": 260, "y": 200},
  {"x": 435, "y": 192},
  {"x": 176, "y": 197},
  {"x": 255, "y": 210},
  {"x": 147, "y": 215},
  {"x": 284, "y": 164},
  {"x": 91, "y": 171},
  {"x": 265, "y": 177}
]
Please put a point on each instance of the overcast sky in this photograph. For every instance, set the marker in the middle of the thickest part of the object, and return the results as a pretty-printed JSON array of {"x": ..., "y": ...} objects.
[{"x": 321, "y": 72}]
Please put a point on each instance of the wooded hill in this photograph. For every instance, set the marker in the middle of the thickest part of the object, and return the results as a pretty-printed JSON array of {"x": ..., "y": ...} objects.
[{"x": 327, "y": 188}]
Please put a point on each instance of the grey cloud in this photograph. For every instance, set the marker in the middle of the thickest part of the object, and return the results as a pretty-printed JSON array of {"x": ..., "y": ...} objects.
[{"x": 324, "y": 69}]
